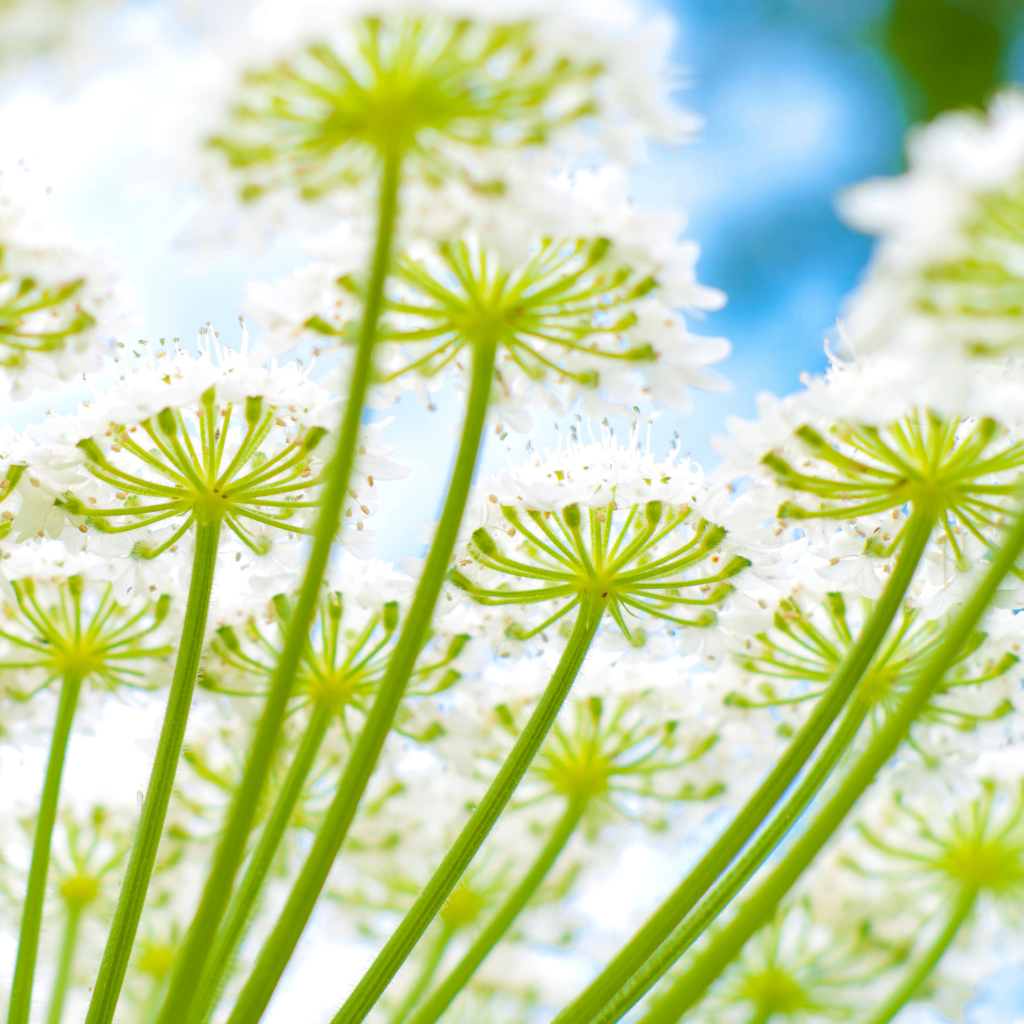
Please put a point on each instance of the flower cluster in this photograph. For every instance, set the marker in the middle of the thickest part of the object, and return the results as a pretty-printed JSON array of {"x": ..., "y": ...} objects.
[{"x": 60, "y": 307}]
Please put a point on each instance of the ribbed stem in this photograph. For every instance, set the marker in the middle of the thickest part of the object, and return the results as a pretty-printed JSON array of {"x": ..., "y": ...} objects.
[
  {"x": 464, "y": 970},
  {"x": 161, "y": 780},
  {"x": 280, "y": 944},
  {"x": 716, "y": 860},
  {"x": 202, "y": 934},
  {"x": 759, "y": 907},
  {"x": 32, "y": 913},
  {"x": 920, "y": 971},
  {"x": 64, "y": 965},
  {"x": 426, "y": 975},
  {"x": 416, "y": 921},
  {"x": 707, "y": 911},
  {"x": 246, "y": 895}
]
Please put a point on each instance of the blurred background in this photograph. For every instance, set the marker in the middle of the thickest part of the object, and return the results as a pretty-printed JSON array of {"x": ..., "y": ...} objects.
[{"x": 802, "y": 98}]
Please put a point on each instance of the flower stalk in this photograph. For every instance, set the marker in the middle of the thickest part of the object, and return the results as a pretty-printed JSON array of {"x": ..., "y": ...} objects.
[
  {"x": 460, "y": 975},
  {"x": 217, "y": 891},
  {"x": 32, "y": 911},
  {"x": 631, "y": 959},
  {"x": 397, "y": 949},
  {"x": 280, "y": 945},
  {"x": 688, "y": 989},
  {"x": 130, "y": 901}
]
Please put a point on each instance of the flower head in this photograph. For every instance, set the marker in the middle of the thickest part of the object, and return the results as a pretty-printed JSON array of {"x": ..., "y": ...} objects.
[
  {"x": 842, "y": 451},
  {"x": 599, "y": 525},
  {"x": 59, "y": 306},
  {"x": 587, "y": 304},
  {"x": 432, "y": 87},
  {"x": 944, "y": 284},
  {"x": 60, "y": 626},
  {"x": 348, "y": 648},
  {"x": 792, "y": 663},
  {"x": 219, "y": 438}
]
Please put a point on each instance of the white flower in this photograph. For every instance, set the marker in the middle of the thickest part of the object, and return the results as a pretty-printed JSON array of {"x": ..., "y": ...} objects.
[
  {"x": 490, "y": 86},
  {"x": 941, "y": 292},
  {"x": 60, "y": 306}
]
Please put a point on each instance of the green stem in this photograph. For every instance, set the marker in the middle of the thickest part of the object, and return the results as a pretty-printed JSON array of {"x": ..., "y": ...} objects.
[
  {"x": 416, "y": 921},
  {"x": 759, "y": 908},
  {"x": 161, "y": 780},
  {"x": 502, "y": 921},
  {"x": 188, "y": 969},
  {"x": 280, "y": 944},
  {"x": 696, "y": 923},
  {"x": 914, "y": 979},
  {"x": 702, "y": 876},
  {"x": 64, "y": 965},
  {"x": 426, "y": 975},
  {"x": 32, "y": 914},
  {"x": 244, "y": 900}
]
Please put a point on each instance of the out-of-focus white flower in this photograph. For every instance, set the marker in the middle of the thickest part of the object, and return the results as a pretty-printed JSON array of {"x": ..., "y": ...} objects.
[
  {"x": 60, "y": 306},
  {"x": 588, "y": 302},
  {"x": 942, "y": 292},
  {"x": 306, "y": 105}
]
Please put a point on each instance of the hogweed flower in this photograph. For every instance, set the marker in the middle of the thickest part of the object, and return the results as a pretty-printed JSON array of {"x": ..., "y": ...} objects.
[
  {"x": 576, "y": 317},
  {"x": 944, "y": 285},
  {"x": 793, "y": 663},
  {"x": 59, "y": 307},
  {"x": 611, "y": 756},
  {"x": 183, "y": 441},
  {"x": 345, "y": 658},
  {"x": 56, "y": 630},
  {"x": 851, "y": 447},
  {"x": 796, "y": 972},
  {"x": 978, "y": 846},
  {"x": 433, "y": 90},
  {"x": 601, "y": 526},
  {"x": 957, "y": 863},
  {"x": 94, "y": 850}
]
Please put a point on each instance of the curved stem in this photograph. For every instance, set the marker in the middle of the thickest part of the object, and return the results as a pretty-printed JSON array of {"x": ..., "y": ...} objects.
[
  {"x": 416, "y": 921},
  {"x": 721, "y": 853},
  {"x": 920, "y": 971},
  {"x": 202, "y": 933},
  {"x": 689, "y": 988},
  {"x": 32, "y": 914},
  {"x": 697, "y": 922},
  {"x": 280, "y": 944},
  {"x": 426, "y": 975},
  {"x": 64, "y": 965},
  {"x": 246, "y": 895},
  {"x": 161, "y": 780},
  {"x": 460, "y": 975}
]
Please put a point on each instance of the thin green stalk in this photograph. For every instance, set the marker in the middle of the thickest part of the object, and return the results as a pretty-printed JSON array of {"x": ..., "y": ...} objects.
[
  {"x": 709, "y": 868},
  {"x": 32, "y": 914},
  {"x": 920, "y": 971},
  {"x": 460, "y": 975},
  {"x": 161, "y": 780},
  {"x": 280, "y": 944},
  {"x": 426, "y": 975},
  {"x": 696, "y": 923},
  {"x": 416, "y": 921},
  {"x": 758, "y": 909},
  {"x": 64, "y": 965},
  {"x": 202, "y": 934},
  {"x": 244, "y": 900}
]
